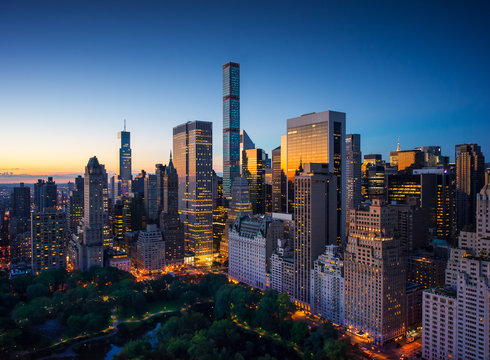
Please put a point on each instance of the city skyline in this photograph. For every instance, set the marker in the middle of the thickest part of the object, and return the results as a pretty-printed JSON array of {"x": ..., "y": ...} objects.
[{"x": 425, "y": 85}]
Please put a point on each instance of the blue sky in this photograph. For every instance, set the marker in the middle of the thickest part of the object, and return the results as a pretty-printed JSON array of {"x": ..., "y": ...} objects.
[{"x": 71, "y": 71}]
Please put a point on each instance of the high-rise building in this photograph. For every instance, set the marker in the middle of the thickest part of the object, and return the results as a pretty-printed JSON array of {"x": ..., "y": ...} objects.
[
  {"x": 470, "y": 169},
  {"x": 282, "y": 263},
  {"x": 75, "y": 206},
  {"x": 245, "y": 144},
  {"x": 253, "y": 169},
  {"x": 375, "y": 277},
  {"x": 456, "y": 319},
  {"x": 231, "y": 125},
  {"x": 327, "y": 286},
  {"x": 279, "y": 183},
  {"x": 315, "y": 216},
  {"x": 353, "y": 175},
  {"x": 150, "y": 251},
  {"x": 150, "y": 197},
  {"x": 45, "y": 194},
  {"x": 412, "y": 225},
  {"x": 160, "y": 173},
  {"x": 193, "y": 151},
  {"x": 220, "y": 212},
  {"x": 319, "y": 138},
  {"x": 407, "y": 159},
  {"x": 4, "y": 241},
  {"x": 125, "y": 155},
  {"x": 95, "y": 232},
  {"x": 21, "y": 202},
  {"x": 48, "y": 240}
]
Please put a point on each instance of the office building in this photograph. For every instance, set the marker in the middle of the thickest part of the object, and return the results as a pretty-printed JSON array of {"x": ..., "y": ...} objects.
[
  {"x": 375, "y": 277},
  {"x": 353, "y": 173},
  {"x": 96, "y": 233},
  {"x": 75, "y": 206},
  {"x": 118, "y": 259},
  {"x": 21, "y": 202},
  {"x": 125, "y": 156},
  {"x": 220, "y": 213},
  {"x": 315, "y": 217},
  {"x": 231, "y": 125},
  {"x": 327, "y": 286},
  {"x": 160, "y": 174},
  {"x": 150, "y": 198},
  {"x": 319, "y": 138},
  {"x": 150, "y": 251},
  {"x": 470, "y": 170},
  {"x": 245, "y": 144},
  {"x": 253, "y": 169},
  {"x": 48, "y": 240},
  {"x": 279, "y": 183},
  {"x": 193, "y": 161},
  {"x": 407, "y": 159},
  {"x": 45, "y": 194},
  {"x": 412, "y": 225}
]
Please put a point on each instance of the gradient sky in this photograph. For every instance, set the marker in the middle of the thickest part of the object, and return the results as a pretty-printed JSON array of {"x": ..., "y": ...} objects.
[{"x": 71, "y": 71}]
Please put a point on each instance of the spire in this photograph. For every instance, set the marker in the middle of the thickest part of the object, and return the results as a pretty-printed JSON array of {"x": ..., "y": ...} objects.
[
  {"x": 170, "y": 155},
  {"x": 124, "y": 124},
  {"x": 398, "y": 145}
]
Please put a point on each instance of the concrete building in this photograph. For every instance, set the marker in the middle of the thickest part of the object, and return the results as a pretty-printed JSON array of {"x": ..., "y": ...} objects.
[
  {"x": 48, "y": 240},
  {"x": 282, "y": 267},
  {"x": 193, "y": 160},
  {"x": 315, "y": 216},
  {"x": 150, "y": 251},
  {"x": 279, "y": 183},
  {"x": 375, "y": 277},
  {"x": 327, "y": 286},
  {"x": 456, "y": 320}
]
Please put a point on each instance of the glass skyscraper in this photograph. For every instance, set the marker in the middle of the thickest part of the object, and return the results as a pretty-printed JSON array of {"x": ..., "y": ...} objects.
[
  {"x": 318, "y": 138},
  {"x": 231, "y": 125},
  {"x": 193, "y": 160},
  {"x": 125, "y": 155}
]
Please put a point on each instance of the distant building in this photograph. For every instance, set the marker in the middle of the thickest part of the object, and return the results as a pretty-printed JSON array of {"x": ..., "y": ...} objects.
[
  {"x": 118, "y": 259},
  {"x": 150, "y": 197},
  {"x": 279, "y": 183},
  {"x": 150, "y": 251},
  {"x": 21, "y": 202},
  {"x": 245, "y": 144},
  {"x": 125, "y": 155},
  {"x": 353, "y": 174},
  {"x": 231, "y": 126},
  {"x": 470, "y": 170},
  {"x": 327, "y": 286},
  {"x": 48, "y": 240},
  {"x": 75, "y": 206},
  {"x": 253, "y": 169},
  {"x": 45, "y": 194}
]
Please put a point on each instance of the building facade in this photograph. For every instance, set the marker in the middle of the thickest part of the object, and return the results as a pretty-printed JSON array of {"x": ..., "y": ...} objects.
[
  {"x": 231, "y": 125},
  {"x": 253, "y": 169},
  {"x": 150, "y": 251},
  {"x": 193, "y": 161},
  {"x": 353, "y": 174}
]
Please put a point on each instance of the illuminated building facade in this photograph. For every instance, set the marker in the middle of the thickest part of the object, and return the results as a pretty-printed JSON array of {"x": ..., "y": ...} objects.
[
  {"x": 426, "y": 270},
  {"x": 245, "y": 144},
  {"x": 125, "y": 155},
  {"x": 319, "y": 138},
  {"x": 48, "y": 240},
  {"x": 282, "y": 267},
  {"x": 150, "y": 197},
  {"x": 75, "y": 206},
  {"x": 353, "y": 173},
  {"x": 193, "y": 160},
  {"x": 407, "y": 159},
  {"x": 253, "y": 169},
  {"x": 315, "y": 222},
  {"x": 231, "y": 125},
  {"x": 375, "y": 277},
  {"x": 470, "y": 170},
  {"x": 327, "y": 286},
  {"x": 373, "y": 177},
  {"x": 220, "y": 213},
  {"x": 412, "y": 225},
  {"x": 4, "y": 241},
  {"x": 159, "y": 174},
  {"x": 279, "y": 183}
]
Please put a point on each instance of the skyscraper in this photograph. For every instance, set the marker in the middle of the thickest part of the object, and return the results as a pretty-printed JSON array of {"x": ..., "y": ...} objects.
[
  {"x": 319, "y": 138},
  {"x": 21, "y": 202},
  {"x": 470, "y": 169},
  {"x": 193, "y": 151},
  {"x": 45, "y": 194},
  {"x": 95, "y": 217},
  {"x": 253, "y": 169},
  {"x": 375, "y": 277},
  {"x": 150, "y": 197},
  {"x": 125, "y": 154},
  {"x": 279, "y": 195},
  {"x": 315, "y": 218},
  {"x": 245, "y": 144},
  {"x": 75, "y": 206},
  {"x": 231, "y": 125},
  {"x": 48, "y": 240},
  {"x": 353, "y": 171}
]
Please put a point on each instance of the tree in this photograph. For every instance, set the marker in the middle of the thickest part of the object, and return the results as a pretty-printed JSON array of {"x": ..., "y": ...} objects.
[
  {"x": 134, "y": 349},
  {"x": 335, "y": 350},
  {"x": 299, "y": 332},
  {"x": 285, "y": 307},
  {"x": 37, "y": 290}
]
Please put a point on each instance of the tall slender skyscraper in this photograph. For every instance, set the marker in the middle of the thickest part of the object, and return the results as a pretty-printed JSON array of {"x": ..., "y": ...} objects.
[
  {"x": 318, "y": 138},
  {"x": 353, "y": 175},
  {"x": 245, "y": 144},
  {"x": 193, "y": 151},
  {"x": 231, "y": 125},
  {"x": 253, "y": 169},
  {"x": 278, "y": 182},
  {"x": 470, "y": 170},
  {"x": 125, "y": 154}
]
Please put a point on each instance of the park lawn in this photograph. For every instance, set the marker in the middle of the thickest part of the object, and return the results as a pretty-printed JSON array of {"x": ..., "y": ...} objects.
[{"x": 164, "y": 305}]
